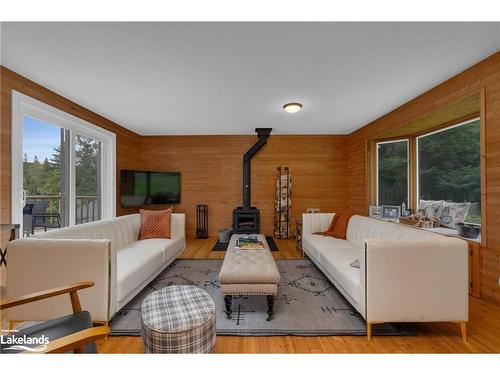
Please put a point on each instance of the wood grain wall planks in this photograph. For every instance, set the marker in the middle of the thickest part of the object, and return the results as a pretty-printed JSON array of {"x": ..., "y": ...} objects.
[
  {"x": 210, "y": 165},
  {"x": 127, "y": 142},
  {"x": 211, "y": 173},
  {"x": 482, "y": 77},
  {"x": 329, "y": 172}
]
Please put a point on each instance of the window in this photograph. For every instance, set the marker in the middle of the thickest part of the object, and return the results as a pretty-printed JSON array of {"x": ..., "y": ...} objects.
[
  {"x": 442, "y": 165},
  {"x": 392, "y": 172},
  {"x": 449, "y": 166},
  {"x": 63, "y": 168}
]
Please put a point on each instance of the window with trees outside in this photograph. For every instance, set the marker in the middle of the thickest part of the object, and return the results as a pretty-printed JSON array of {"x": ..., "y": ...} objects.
[
  {"x": 63, "y": 168},
  {"x": 447, "y": 167},
  {"x": 392, "y": 173}
]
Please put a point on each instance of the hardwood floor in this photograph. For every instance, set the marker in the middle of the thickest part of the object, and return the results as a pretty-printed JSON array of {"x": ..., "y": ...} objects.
[{"x": 484, "y": 328}]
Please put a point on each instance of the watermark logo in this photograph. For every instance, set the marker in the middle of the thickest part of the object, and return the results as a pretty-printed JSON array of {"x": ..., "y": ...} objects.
[{"x": 22, "y": 343}]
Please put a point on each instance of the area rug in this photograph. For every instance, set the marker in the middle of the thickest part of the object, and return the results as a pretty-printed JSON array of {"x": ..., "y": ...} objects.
[
  {"x": 222, "y": 246},
  {"x": 307, "y": 304}
]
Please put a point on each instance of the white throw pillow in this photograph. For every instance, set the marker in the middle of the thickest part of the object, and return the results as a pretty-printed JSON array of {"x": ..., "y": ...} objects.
[
  {"x": 431, "y": 209},
  {"x": 453, "y": 213}
]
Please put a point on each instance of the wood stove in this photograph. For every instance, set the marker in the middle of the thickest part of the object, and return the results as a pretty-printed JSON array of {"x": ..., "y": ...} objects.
[{"x": 246, "y": 219}]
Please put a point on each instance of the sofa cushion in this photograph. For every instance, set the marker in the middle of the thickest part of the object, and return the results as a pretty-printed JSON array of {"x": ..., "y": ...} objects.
[
  {"x": 362, "y": 228},
  {"x": 338, "y": 226},
  {"x": 309, "y": 248},
  {"x": 170, "y": 247},
  {"x": 316, "y": 242},
  {"x": 337, "y": 261},
  {"x": 174, "y": 248},
  {"x": 121, "y": 231},
  {"x": 134, "y": 265},
  {"x": 161, "y": 243},
  {"x": 431, "y": 209},
  {"x": 453, "y": 213},
  {"x": 155, "y": 224}
]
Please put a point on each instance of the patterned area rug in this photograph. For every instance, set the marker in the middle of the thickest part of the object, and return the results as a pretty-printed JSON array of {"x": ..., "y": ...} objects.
[{"x": 307, "y": 304}]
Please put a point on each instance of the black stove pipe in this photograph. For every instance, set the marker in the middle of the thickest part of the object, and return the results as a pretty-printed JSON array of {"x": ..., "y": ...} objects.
[{"x": 263, "y": 135}]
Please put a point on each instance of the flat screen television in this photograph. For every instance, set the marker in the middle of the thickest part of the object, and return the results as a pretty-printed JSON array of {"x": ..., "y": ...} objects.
[{"x": 139, "y": 188}]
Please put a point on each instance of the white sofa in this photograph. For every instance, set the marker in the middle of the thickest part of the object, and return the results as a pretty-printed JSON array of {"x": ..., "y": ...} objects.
[
  {"x": 406, "y": 274},
  {"x": 106, "y": 252}
]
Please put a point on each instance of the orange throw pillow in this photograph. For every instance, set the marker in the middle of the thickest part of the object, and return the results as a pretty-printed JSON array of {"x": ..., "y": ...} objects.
[
  {"x": 155, "y": 224},
  {"x": 338, "y": 226}
]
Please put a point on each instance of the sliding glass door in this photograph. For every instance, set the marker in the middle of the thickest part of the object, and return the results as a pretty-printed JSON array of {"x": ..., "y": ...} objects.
[
  {"x": 63, "y": 168},
  {"x": 87, "y": 179},
  {"x": 44, "y": 182}
]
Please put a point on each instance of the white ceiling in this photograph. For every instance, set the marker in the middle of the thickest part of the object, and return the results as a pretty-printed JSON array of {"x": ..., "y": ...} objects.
[{"x": 228, "y": 78}]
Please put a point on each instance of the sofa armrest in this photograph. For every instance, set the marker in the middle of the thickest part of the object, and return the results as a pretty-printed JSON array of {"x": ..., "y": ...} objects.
[
  {"x": 423, "y": 280},
  {"x": 178, "y": 226},
  {"x": 37, "y": 264},
  {"x": 312, "y": 223}
]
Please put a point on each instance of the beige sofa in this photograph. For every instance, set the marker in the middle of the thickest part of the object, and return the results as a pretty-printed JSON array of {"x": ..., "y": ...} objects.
[
  {"x": 406, "y": 274},
  {"x": 106, "y": 252}
]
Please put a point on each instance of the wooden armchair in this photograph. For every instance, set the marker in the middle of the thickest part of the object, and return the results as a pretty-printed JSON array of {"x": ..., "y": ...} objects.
[{"x": 73, "y": 332}]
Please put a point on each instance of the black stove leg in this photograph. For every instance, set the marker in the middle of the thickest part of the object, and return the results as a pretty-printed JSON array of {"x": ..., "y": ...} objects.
[
  {"x": 229, "y": 300},
  {"x": 270, "y": 305}
]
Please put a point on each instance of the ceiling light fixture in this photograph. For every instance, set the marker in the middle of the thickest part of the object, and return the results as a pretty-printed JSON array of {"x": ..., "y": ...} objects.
[{"x": 292, "y": 107}]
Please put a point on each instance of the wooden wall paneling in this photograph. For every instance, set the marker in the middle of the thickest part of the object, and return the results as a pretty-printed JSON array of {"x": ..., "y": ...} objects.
[
  {"x": 462, "y": 85},
  {"x": 484, "y": 179},
  {"x": 127, "y": 142},
  {"x": 491, "y": 252},
  {"x": 483, "y": 78},
  {"x": 475, "y": 269},
  {"x": 457, "y": 111},
  {"x": 372, "y": 171},
  {"x": 358, "y": 156},
  {"x": 329, "y": 172},
  {"x": 211, "y": 173}
]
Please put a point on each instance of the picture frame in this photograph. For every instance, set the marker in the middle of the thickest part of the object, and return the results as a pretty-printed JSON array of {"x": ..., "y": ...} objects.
[
  {"x": 391, "y": 212},
  {"x": 406, "y": 213},
  {"x": 375, "y": 212}
]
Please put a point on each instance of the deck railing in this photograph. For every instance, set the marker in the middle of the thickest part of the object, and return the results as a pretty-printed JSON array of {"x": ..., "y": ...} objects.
[{"x": 87, "y": 206}]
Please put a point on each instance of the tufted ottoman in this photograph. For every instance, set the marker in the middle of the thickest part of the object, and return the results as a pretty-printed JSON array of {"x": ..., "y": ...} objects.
[
  {"x": 249, "y": 272},
  {"x": 178, "y": 319}
]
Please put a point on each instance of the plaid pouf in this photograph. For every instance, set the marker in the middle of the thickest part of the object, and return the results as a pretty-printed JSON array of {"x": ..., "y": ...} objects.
[{"x": 178, "y": 319}]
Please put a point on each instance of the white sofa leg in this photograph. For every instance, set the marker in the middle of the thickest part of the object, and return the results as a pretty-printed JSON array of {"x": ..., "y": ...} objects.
[
  {"x": 369, "y": 331},
  {"x": 463, "y": 328}
]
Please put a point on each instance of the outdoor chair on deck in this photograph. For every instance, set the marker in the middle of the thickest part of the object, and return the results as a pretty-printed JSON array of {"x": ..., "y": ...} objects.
[
  {"x": 27, "y": 219},
  {"x": 43, "y": 219}
]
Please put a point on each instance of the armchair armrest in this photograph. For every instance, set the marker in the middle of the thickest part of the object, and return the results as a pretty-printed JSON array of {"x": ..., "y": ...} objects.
[
  {"x": 420, "y": 280},
  {"x": 44, "y": 294},
  {"x": 74, "y": 341}
]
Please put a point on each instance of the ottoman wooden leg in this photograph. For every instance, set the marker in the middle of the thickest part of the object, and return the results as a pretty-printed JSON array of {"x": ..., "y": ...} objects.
[
  {"x": 270, "y": 305},
  {"x": 229, "y": 300}
]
